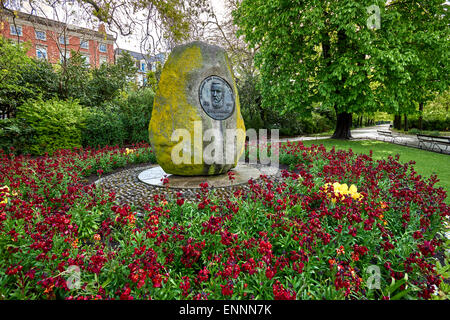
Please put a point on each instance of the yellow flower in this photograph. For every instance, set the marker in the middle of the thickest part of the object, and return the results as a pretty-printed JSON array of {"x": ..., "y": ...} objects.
[
  {"x": 5, "y": 193},
  {"x": 336, "y": 186},
  {"x": 128, "y": 151},
  {"x": 343, "y": 188},
  {"x": 356, "y": 196}
]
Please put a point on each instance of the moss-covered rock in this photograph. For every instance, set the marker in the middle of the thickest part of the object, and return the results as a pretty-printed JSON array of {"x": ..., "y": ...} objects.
[{"x": 177, "y": 106}]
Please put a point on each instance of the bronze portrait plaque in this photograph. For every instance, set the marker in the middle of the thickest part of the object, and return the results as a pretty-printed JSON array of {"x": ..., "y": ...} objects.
[{"x": 216, "y": 97}]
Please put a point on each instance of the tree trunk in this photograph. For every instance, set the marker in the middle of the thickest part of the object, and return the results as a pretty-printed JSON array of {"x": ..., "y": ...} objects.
[
  {"x": 398, "y": 122},
  {"x": 406, "y": 122},
  {"x": 343, "y": 124},
  {"x": 421, "y": 116}
]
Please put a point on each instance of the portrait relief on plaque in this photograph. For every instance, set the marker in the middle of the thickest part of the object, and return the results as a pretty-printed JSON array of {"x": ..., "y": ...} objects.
[{"x": 216, "y": 97}]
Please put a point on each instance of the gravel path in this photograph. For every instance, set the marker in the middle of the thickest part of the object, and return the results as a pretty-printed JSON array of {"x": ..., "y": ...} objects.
[{"x": 130, "y": 190}]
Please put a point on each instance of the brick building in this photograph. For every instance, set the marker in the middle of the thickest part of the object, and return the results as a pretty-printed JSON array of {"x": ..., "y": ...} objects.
[{"x": 53, "y": 40}]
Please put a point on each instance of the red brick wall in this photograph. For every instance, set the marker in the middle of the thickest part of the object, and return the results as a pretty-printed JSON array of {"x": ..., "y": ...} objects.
[{"x": 53, "y": 53}]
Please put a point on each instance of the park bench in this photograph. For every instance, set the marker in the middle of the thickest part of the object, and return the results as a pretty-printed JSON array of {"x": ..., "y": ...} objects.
[
  {"x": 385, "y": 133},
  {"x": 388, "y": 134},
  {"x": 441, "y": 143}
]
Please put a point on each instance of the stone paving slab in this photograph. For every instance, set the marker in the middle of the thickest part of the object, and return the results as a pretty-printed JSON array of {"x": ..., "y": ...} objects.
[{"x": 241, "y": 174}]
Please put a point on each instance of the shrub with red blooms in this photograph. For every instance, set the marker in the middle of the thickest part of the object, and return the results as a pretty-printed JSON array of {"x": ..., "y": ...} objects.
[{"x": 312, "y": 235}]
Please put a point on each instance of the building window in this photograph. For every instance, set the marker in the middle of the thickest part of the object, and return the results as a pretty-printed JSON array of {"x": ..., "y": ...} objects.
[
  {"x": 86, "y": 58},
  {"x": 63, "y": 57},
  {"x": 41, "y": 53},
  {"x": 142, "y": 66},
  {"x": 102, "y": 47},
  {"x": 84, "y": 44},
  {"x": 16, "y": 30},
  {"x": 63, "y": 40},
  {"x": 140, "y": 79},
  {"x": 103, "y": 60},
  {"x": 40, "y": 35}
]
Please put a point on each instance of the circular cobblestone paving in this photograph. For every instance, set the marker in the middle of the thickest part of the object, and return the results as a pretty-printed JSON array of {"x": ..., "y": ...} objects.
[{"x": 130, "y": 190}]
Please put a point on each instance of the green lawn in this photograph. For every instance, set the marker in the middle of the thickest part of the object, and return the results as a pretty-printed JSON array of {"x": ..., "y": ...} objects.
[{"x": 427, "y": 163}]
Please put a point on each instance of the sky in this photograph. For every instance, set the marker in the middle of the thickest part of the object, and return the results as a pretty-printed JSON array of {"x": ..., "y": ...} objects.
[{"x": 133, "y": 42}]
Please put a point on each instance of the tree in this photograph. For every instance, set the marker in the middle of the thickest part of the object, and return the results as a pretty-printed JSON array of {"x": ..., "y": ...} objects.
[
  {"x": 427, "y": 38},
  {"x": 333, "y": 53},
  {"x": 73, "y": 75},
  {"x": 108, "y": 80},
  {"x": 223, "y": 32},
  {"x": 13, "y": 60}
]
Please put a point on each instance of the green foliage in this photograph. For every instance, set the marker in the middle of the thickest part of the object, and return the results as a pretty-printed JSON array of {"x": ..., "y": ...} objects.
[
  {"x": 257, "y": 116},
  {"x": 436, "y": 115},
  {"x": 87, "y": 222},
  {"x": 108, "y": 80},
  {"x": 40, "y": 78},
  {"x": 152, "y": 82},
  {"x": 57, "y": 124},
  {"x": 124, "y": 120},
  {"x": 13, "y": 60},
  {"x": 136, "y": 112},
  {"x": 73, "y": 77},
  {"x": 430, "y": 124},
  {"x": 17, "y": 134},
  {"x": 103, "y": 127}
]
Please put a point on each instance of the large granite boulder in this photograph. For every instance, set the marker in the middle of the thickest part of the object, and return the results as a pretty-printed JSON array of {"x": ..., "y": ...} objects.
[{"x": 196, "y": 93}]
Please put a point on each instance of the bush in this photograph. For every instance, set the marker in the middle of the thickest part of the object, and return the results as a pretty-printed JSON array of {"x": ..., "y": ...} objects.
[
  {"x": 39, "y": 77},
  {"x": 436, "y": 115},
  {"x": 57, "y": 124},
  {"x": 13, "y": 60},
  {"x": 16, "y": 134},
  {"x": 431, "y": 124},
  {"x": 103, "y": 127},
  {"x": 108, "y": 80},
  {"x": 136, "y": 111}
]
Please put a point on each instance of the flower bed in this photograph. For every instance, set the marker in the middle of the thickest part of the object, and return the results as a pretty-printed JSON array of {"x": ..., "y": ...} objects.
[{"x": 324, "y": 232}]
